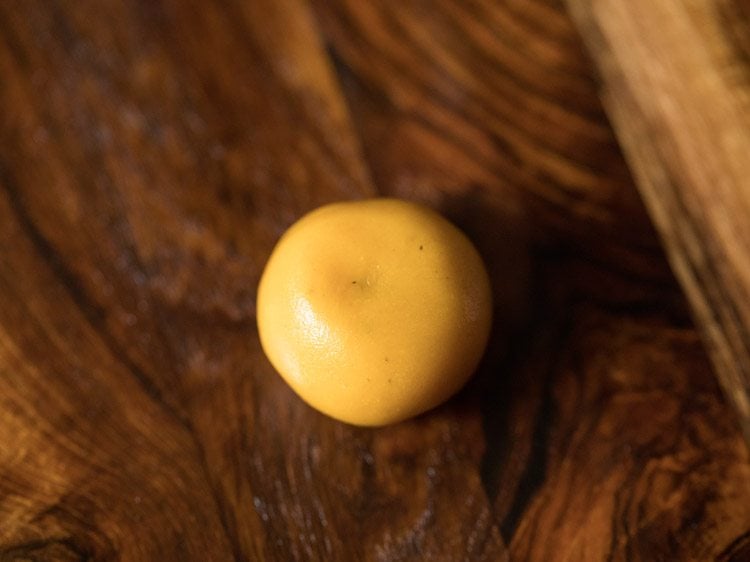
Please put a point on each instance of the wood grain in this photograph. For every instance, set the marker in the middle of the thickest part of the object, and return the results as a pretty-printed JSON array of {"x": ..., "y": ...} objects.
[
  {"x": 151, "y": 153},
  {"x": 563, "y": 265},
  {"x": 676, "y": 84}
]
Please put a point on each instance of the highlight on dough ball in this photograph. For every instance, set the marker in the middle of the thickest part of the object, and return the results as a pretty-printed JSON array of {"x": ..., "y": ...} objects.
[{"x": 374, "y": 311}]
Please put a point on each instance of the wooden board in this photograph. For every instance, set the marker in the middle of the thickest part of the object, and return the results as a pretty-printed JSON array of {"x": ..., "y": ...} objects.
[{"x": 150, "y": 155}]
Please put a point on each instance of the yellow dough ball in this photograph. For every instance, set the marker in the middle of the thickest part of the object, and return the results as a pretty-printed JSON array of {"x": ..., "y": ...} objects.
[{"x": 374, "y": 311}]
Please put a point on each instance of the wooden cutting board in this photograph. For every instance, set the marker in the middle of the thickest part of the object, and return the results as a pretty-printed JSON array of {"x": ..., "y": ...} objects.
[{"x": 150, "y": 155}]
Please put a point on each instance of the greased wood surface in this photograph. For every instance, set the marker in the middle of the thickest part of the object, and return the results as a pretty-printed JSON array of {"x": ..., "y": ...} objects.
[{"x": 150, "y": 155}]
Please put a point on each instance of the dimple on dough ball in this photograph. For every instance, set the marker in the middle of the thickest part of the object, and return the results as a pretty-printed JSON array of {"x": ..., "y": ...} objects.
[{"x": 374, "y": 311}]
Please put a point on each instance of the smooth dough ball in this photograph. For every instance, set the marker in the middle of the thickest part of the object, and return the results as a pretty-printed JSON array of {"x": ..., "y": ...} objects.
[{"x": 374, "y": 311}]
